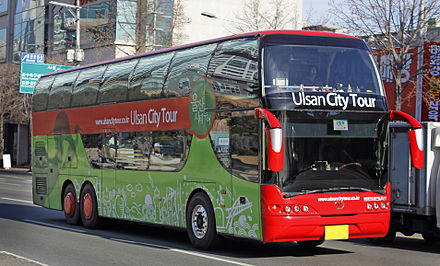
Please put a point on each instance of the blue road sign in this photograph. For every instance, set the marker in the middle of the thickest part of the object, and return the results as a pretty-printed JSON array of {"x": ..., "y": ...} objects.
[{"x": 32, "y": 58}]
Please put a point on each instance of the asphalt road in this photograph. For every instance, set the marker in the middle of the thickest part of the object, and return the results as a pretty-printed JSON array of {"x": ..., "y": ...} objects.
[{"x": 31, "y": 235}]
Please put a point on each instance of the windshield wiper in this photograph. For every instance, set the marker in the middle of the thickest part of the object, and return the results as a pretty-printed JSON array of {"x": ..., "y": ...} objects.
[{"x": 326, "y": 190}]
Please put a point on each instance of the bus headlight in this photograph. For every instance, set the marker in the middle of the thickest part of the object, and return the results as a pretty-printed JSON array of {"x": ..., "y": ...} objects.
[
  {"x": 288, "y": 209},
  {"x": 297, "y": 208},
  {"x": 306, "y": 208}
]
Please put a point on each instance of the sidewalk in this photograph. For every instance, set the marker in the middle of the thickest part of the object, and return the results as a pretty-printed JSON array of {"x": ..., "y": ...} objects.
[{"x": 14, "y": 170}]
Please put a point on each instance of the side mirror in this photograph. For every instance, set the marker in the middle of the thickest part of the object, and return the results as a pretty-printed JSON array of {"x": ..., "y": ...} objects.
[
  {"x": 415, "y": 137},
  {"x": 274, "y": 138}
]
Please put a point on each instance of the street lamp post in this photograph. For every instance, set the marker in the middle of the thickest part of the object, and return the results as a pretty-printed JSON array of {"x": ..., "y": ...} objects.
[
  {"x": 78, "y": 53},
  {"x": 211, "y": 15}
]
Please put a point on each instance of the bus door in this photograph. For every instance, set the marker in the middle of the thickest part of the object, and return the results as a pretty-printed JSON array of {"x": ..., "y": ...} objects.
[
  {"x": 245, "y": 214},
  {"x": 108, "y": 166}
]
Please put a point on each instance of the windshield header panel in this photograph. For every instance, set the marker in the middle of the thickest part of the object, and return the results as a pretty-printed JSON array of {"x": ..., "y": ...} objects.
[{"x": 309, "y": 72}]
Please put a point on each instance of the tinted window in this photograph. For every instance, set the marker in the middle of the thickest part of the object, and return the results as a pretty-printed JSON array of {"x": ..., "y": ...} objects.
[
  {"x": 149, "y": 76},
  {"x": 234, "y": 139},
  {"x": 86, "y": 87},
  {"x": 188, "y": 66},
  {"x": 61, "y": 91},
  {"x": 93, "y": 148},
  {"x": 244, "y": 145},
  {"x": 115, "y": 82},
  {"x": 233, "y": 71},
  {"x": 41, "y": 94},
  {"x": 152, "y": 150}
]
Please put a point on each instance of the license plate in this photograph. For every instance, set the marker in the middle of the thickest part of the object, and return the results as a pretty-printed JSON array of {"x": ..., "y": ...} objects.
[{"x": 333, "y": 232}]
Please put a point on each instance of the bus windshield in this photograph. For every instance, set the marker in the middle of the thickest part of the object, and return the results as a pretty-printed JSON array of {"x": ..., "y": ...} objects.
[
  {"x": 319, "y": 68},
  {"x": 330, "y": 151}
]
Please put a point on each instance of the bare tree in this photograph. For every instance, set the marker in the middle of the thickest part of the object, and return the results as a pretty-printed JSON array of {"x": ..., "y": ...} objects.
[
  {"x": 13, "y": 105},
  {"x": 396, "y": 26},
  {"x": 267, "y": 15}
]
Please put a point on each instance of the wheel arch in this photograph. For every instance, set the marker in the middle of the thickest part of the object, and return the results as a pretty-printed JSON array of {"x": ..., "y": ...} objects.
[{"x": 195, "y": 191}]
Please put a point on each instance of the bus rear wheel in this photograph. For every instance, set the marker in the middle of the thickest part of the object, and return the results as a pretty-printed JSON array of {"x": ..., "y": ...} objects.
[
  {"x": 89, "y": 207},
  {"x": 200, "y": 222},
  {"x": 71, "y": 206}
]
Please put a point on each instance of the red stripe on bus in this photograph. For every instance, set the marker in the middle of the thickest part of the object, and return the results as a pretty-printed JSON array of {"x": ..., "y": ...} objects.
[{"x": 163, "y": 114}]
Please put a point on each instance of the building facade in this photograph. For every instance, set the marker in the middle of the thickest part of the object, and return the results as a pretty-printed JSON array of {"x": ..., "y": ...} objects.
[{"x": 109, "y": 29}]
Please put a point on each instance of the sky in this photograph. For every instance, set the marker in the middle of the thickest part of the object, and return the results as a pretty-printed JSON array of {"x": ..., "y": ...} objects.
[{"x": 319, "y": 7}]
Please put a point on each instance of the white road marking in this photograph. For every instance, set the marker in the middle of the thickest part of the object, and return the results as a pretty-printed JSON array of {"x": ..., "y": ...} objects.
[
  {"x": 209, "y": 257},
  {"x": 55, "y": 226},
  {"x": 183, "y": 251},
  {"x": 18, "y": 200},
  {"x": 11, "y": 184},
  {"x": 23, "y": 258}
]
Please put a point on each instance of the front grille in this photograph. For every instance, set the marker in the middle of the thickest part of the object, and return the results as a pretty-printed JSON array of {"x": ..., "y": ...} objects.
[{"x": 41, "y": 185}]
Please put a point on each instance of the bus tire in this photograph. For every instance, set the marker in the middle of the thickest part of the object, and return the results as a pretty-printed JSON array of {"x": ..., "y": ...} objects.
[
  {"x": 309, "y": 243},
  {"x": 89, "y": 207},
  {"x": 71, "y": 206},
  {"x": 200, "y": 222}
]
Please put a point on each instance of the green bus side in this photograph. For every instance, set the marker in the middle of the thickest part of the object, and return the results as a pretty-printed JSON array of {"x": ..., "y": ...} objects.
[{"x": 147, "y": 196}]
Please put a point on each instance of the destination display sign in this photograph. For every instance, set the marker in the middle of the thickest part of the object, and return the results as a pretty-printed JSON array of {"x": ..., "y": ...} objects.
[{"x": 325, "y": 100}]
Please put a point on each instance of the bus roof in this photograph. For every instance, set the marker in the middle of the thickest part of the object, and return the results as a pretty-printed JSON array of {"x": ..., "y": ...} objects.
[{"x": 235, "y": 36}]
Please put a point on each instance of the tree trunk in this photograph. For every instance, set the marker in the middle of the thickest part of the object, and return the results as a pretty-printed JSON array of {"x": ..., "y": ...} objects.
[
  {"x": 141, "y": 26},
  {"x": 2, "y": 148},
  {"x": 398, "y": 91}
]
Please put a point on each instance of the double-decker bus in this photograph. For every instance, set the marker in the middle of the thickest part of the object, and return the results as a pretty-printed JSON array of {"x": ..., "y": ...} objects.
[{"x": 275, "y": 136}]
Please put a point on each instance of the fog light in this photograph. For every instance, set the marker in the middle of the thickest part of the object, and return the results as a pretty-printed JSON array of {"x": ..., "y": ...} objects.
[
  {"x": 297, "y": 208},
  {"x": 376, "y": 205},
  {"x": 384, "y": 205},
  {"x": 369, "y": 206},
  {"x": 288, "y": 209},
  {"x": 306, "y": 208}
]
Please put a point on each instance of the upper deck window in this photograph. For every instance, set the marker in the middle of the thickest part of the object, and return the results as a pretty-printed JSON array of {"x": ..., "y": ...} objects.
[{"x": 319, "y": 68}]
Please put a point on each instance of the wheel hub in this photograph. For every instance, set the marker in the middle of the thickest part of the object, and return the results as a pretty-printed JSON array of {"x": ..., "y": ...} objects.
[
  {"x": 69, "y": 204},
  {"x": 88, "y": 206},
  {"x": 199, "y": 221}
]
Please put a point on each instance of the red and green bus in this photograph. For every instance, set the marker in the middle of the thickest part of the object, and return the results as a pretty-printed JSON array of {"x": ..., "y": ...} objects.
[{"x": 275, "y": 136}]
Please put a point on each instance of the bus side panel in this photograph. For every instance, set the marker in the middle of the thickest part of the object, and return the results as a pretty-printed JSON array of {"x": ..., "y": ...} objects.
[
  {"x": 40, "y": 170},
  {"x": 245, "y": 212},
  {"x": 203, "y": 171},
  {"x": 152, "y": 196}
]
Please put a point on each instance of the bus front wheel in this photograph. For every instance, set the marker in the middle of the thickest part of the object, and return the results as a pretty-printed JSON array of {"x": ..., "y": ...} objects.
[
  {"x": 71, "y": 206},
  {"x": 89, "y": 207},
  {"x": 200, "y": 222}
]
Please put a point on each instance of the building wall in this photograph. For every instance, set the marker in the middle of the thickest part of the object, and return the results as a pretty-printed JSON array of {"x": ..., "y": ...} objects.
[{"x": 204, "y": 28}]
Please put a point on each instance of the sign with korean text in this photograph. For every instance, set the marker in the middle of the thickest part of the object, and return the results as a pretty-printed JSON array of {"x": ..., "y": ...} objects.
[
  {"x": 386, "y": 64},
  {"x": 32, "y": 58},
  {"x": 30, "y": 73},
  {"x": 431, "y": 82}
]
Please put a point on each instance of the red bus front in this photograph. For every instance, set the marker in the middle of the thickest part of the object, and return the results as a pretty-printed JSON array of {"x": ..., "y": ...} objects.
[{"x": 325, "y": 170}]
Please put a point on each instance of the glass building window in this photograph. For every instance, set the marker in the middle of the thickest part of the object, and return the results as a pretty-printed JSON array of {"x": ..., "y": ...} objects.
[
  {"x": 3, "y": 45},
  {"x": 3, "y": 6},
  {"x": 28, "y": 28},
  {"x": 97, "y": 26}
]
